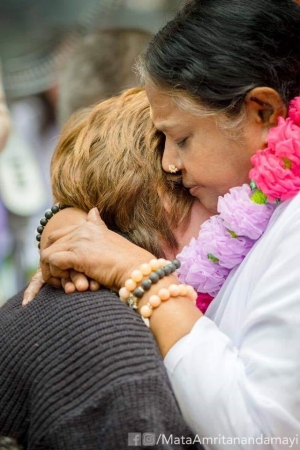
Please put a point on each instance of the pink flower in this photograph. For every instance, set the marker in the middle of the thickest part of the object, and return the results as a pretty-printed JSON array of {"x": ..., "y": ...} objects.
[
  {"x": 203, "y": 301},
  {"x": 294, "y": 110},
  {"x": 276, "y": 169},
  {"x": 286, "y": 134},
  {"x": 242, "y": 215}
]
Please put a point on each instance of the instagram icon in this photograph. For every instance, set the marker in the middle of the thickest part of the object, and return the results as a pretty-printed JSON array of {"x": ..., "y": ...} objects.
[{"x": 148, "y": 439}]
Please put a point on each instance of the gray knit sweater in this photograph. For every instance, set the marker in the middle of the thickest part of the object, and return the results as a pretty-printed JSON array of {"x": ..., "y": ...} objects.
[{"x": 82, "y": 371}]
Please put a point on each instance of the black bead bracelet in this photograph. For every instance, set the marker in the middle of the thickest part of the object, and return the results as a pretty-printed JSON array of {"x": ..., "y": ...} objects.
[
  {"x": 154, "y": 277},
  {"x": 44, "y": 220}
]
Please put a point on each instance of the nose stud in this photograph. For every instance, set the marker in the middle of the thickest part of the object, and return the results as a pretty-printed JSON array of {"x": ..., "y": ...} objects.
[{"x": 173, "y": 169}]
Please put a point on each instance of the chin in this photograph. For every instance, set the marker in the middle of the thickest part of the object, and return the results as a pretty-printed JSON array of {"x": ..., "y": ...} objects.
[{"x": 209, "y": 205}]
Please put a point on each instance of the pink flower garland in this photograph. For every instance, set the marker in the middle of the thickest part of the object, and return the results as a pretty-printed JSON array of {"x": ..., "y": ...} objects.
[{"x": 244, "y": 213}]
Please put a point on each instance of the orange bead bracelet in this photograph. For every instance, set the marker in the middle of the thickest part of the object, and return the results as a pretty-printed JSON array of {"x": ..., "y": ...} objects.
[{"x": 164, "y": 294}]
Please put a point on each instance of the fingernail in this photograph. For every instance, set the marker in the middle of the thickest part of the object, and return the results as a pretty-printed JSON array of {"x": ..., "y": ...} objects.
[{"x": 25, "y": 301}]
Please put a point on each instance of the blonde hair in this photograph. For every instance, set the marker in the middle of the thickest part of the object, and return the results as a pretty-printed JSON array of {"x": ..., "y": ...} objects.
[{"x": 109, "y": 157}]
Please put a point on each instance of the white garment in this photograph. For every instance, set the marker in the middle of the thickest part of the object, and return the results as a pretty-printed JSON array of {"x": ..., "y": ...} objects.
[{"x": 237, "y": 373}]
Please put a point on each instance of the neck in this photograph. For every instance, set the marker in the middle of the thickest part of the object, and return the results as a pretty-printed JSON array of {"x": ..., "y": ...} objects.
[{"x": 186, "y": 232}]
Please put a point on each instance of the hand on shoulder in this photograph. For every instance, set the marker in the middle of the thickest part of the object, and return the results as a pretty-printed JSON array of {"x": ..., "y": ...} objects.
[{"x": 93, "y": 249}]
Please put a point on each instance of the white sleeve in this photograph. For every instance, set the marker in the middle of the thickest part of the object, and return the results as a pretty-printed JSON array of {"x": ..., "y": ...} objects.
[{"x": 252, "y": 390}]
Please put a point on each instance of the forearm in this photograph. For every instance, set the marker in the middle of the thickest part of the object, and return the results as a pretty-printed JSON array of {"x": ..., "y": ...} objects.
[
  {"x": 173, "y": 319},
  {"x": 211, "y": 386}
]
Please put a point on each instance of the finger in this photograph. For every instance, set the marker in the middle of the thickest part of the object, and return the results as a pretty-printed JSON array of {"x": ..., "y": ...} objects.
[
  {"x": 94, "y": 285},
  {"x": 51, "y": 270},
  {"x": 80, "y": 281},
  {"x": 57, "y": 272},
  {"x": 45, "y": 270},
  {"x": 94, "y": 216},
  {"x": 58, "y": 234},
  {"x": 54, "y": 282},
  {"x": 34, "y": 287},
  {"x": 59, "y": 261},
  {"x": 68, "y": 286}
]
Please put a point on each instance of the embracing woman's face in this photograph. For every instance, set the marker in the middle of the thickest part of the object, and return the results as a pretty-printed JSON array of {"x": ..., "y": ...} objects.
[{"x": 211, "y": 162}]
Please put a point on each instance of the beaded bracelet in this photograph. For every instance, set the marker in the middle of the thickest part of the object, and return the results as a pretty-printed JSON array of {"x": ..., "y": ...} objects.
[
  {"x": 131, "y": 293},
  {"x": 156, "y": 269},
  {"x": 44, "y": 220},
  {"x": 174, "y": 290}
]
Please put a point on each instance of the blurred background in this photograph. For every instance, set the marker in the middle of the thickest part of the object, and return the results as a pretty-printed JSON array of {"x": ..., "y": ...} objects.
[{"x": 57, "y": 56}]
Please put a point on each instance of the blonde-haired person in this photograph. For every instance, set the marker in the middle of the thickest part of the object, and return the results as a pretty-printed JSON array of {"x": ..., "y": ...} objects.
[
  {"x": 109, "y": 157},
  {"x": 81, "y": 370}
]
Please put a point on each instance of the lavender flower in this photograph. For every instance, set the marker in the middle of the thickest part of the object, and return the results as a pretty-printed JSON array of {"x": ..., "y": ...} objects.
[
  {"x": 199, "y": 271},
  {"x": 227, "y": 248},
  {"x": 242, "y": 215},
  {"x": 224, "y": 240}
]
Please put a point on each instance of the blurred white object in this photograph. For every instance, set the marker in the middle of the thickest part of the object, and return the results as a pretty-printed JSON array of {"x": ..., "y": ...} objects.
[
  {"x": 4, "y": 116},
  {"x": 145, "y": 5},
  {"x": 21, "y": 186}
]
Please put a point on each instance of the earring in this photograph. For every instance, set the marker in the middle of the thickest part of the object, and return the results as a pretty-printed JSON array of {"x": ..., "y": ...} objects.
[{"x": 173, "y": 169}]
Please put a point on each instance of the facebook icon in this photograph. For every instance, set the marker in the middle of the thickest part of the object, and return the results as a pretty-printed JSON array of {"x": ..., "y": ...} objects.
[{"x": 134, "y": 439}]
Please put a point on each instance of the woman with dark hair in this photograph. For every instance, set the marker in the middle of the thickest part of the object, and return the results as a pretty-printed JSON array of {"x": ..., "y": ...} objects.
[{"x": 222, "y": 79}]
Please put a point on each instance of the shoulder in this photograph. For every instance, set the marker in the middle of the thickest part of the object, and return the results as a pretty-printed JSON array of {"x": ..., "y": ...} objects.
[
  {"x": 61, "y": 351},
  {"x": 80, "y": 319},
  {"x": 287, "y": 214},
  {"x": 54, "y": 304}
]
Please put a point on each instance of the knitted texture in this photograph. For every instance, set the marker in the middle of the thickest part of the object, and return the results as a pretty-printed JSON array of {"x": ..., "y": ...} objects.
[{"x": 81, "y": 371}]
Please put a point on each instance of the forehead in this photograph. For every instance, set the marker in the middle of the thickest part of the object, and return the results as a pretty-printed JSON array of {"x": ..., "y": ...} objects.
[{"x": 164, "y": 111}]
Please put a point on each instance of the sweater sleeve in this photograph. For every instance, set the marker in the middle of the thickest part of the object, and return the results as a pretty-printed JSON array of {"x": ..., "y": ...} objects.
[
  {"x": 248, "y": 388},
  {"x": 81, "y": 371}
]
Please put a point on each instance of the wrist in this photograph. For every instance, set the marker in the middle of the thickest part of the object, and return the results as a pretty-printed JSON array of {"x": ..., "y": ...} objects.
[
  {"x": 164, "y": 283},
  {"x": 144, "y": 278},
  {"x": 172, "y": 321},
  {"x": 63, "y": 218},
  {"x": 139, "y": 257},
  {"x": 165, "y": 305}
]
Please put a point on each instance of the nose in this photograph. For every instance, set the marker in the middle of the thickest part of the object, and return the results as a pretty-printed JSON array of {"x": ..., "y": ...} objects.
[{"x": 170, "y": 157}]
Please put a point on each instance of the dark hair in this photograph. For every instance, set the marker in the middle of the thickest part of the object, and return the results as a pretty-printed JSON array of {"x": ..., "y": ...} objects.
[{"x": 215, "y": 51}]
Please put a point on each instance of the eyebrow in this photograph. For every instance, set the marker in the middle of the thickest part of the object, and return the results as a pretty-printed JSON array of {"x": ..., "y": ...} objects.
[{"x": 166, "y": 126}]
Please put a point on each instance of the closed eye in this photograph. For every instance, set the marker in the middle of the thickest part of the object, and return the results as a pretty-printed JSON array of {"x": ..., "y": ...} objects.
[{"x": 182, "y": 143}]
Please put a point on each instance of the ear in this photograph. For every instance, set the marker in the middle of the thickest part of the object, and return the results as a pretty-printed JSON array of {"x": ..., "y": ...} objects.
[{"x": 264, "y": 105}]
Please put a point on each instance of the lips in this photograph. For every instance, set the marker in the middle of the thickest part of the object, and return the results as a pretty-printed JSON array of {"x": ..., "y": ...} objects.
[
  {"x": 188, "y": 185},
  {"x": 191, "y": 187}
]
